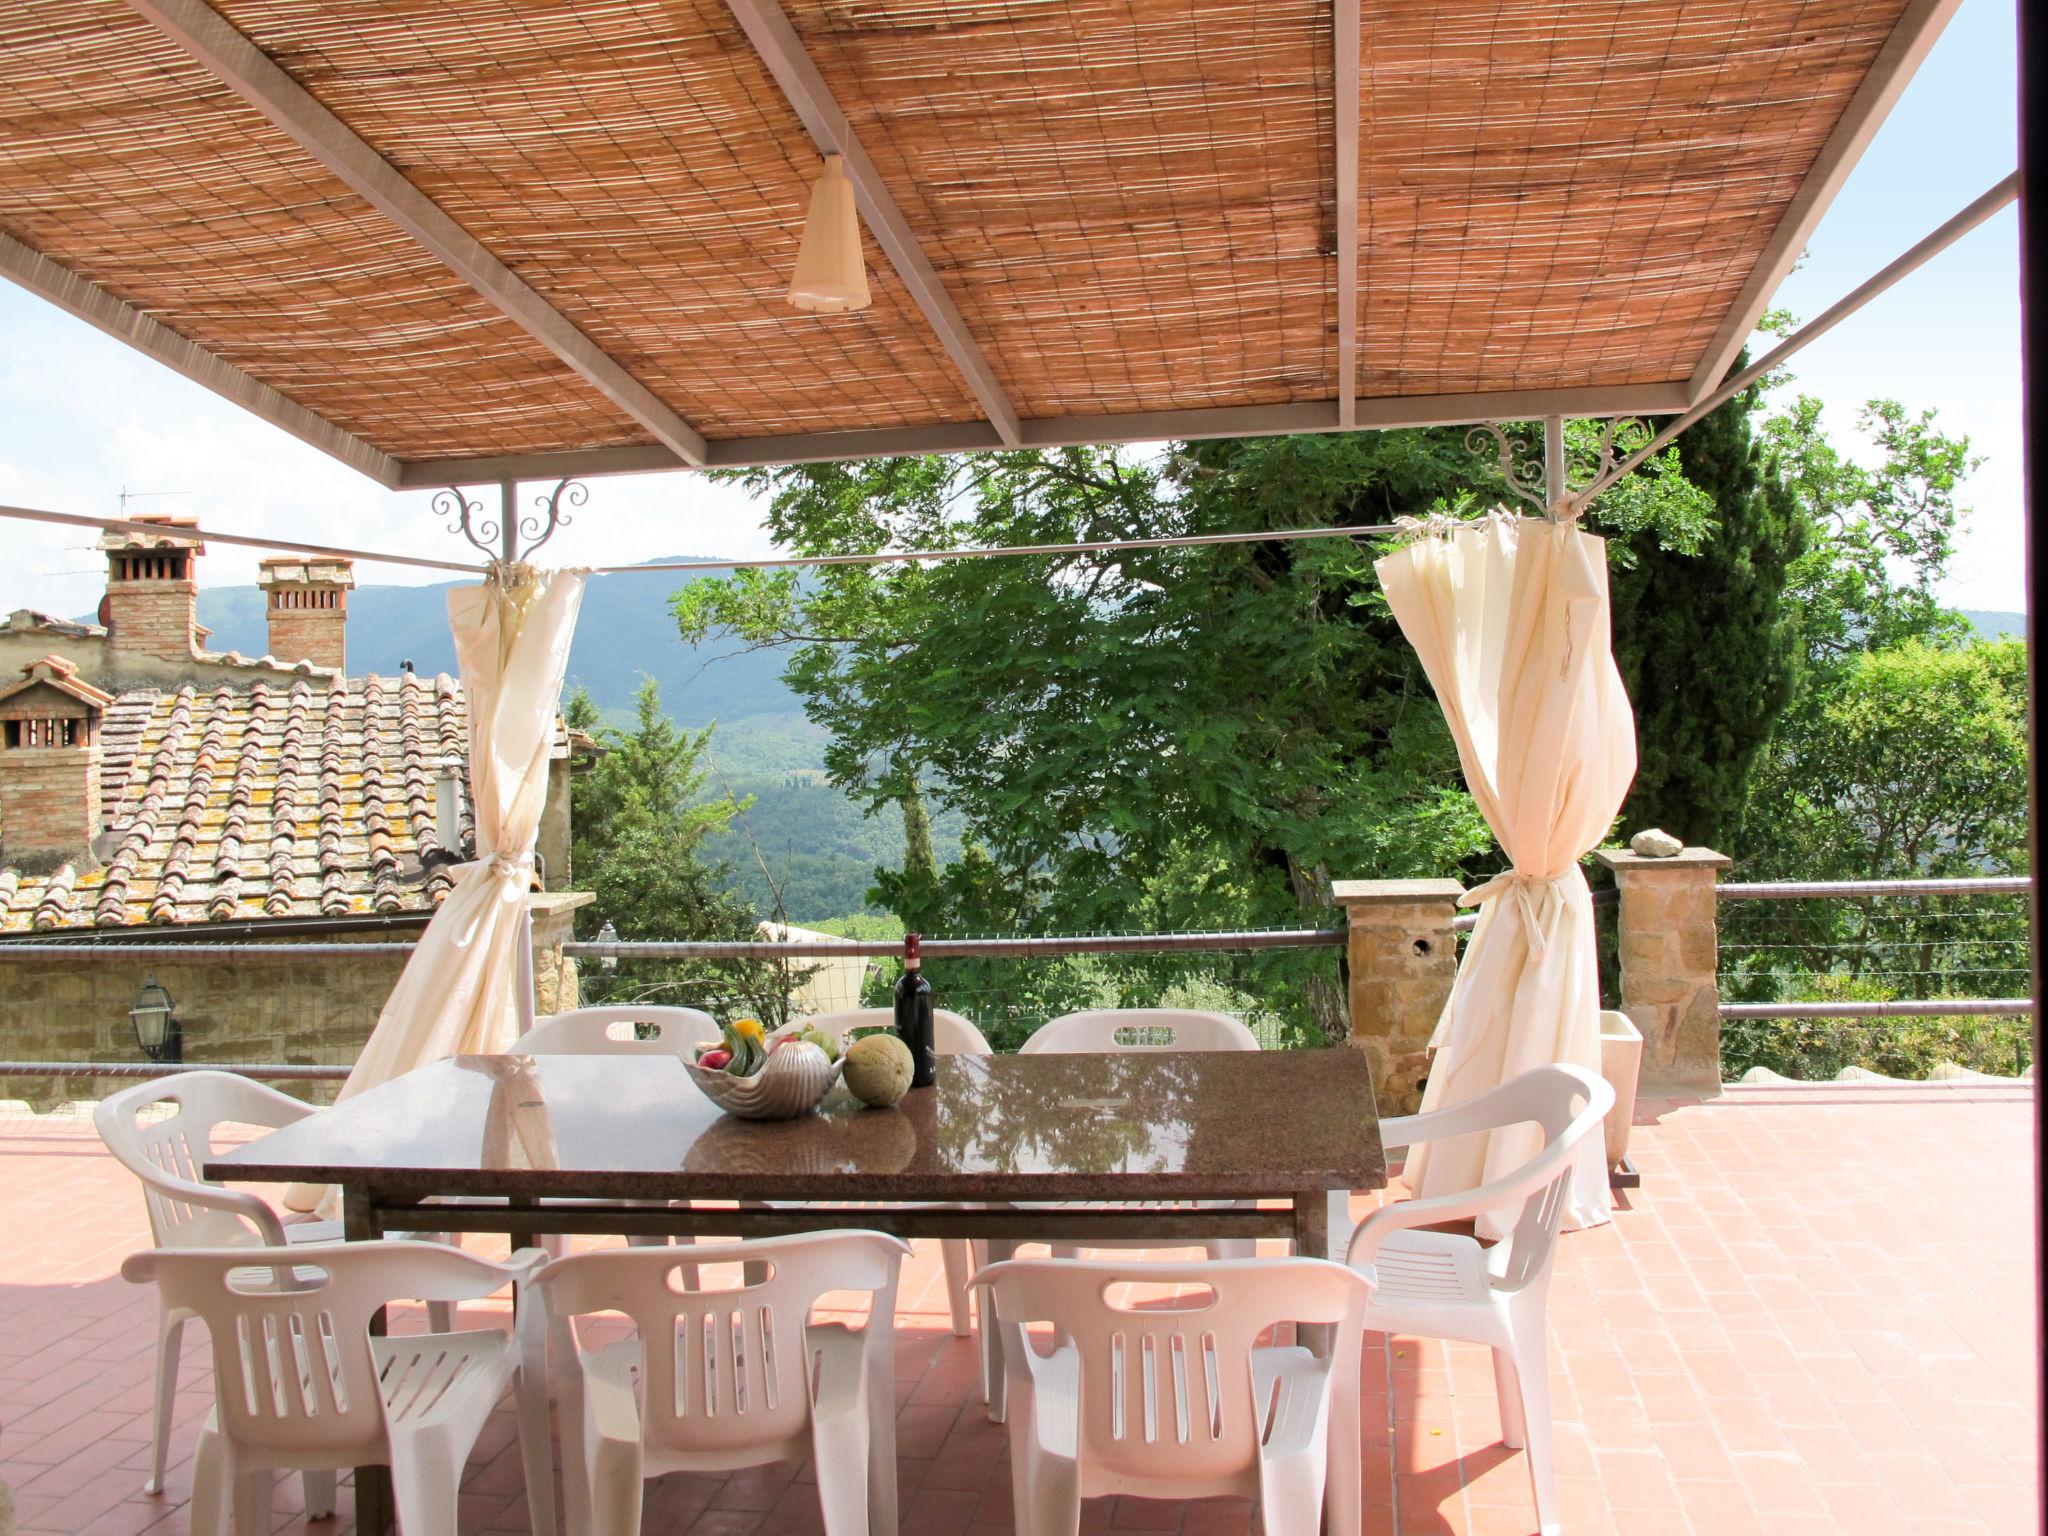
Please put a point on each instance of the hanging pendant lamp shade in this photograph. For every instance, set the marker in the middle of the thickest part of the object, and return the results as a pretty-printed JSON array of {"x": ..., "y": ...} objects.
[{"x": 830, "y": 275}]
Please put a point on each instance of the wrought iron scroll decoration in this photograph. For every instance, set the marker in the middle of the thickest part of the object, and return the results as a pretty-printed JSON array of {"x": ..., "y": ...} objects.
[
  {"x": 510, "y": 545},
  {"x": 567, "y": 493},
  {"x": 469, "y": 520},
  {"x": 1522, "y": 467}
]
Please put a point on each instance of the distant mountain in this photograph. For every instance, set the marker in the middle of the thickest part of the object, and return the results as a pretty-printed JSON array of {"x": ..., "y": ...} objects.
[
  {"x": 1994, "y": 626},
  {"x": 624, "y": 630}
]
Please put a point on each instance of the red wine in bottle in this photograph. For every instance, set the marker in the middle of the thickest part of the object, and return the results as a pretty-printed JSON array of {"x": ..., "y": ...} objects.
[{"x": 914, "y": 1014}]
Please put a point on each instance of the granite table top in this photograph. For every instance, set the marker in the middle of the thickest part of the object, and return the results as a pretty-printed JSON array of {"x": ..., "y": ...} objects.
[{"x": 1144, "y": 1125}]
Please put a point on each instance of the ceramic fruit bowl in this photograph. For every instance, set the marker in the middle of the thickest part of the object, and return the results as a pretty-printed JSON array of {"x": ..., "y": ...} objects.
[{"x": 793, "y": 1081}]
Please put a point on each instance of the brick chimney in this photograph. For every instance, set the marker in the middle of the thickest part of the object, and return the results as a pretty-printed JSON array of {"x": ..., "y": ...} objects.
[
  {"x": 306, "y": 601},
  {"x": 49, "y": 766},
  {"x": 152, "y": 592}
]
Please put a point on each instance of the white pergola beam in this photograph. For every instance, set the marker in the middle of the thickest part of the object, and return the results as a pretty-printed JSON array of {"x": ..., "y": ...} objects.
[
  {"x": 780, "y": 48},
  {"x": 249, "y": 72},
  {"x": 1347, "y": 45},
  {"x": 1374, "y": 413},
  {"x": 71, "y": 293},
  {"x": 1881, "y": 87}
]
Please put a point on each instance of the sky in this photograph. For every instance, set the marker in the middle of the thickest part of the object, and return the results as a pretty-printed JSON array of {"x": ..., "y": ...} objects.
[{"x": 83, "y": 418}]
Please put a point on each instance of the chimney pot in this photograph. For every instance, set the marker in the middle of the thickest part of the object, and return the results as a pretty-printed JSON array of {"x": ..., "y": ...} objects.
[
  {"x": 49, "y": 766},
  {"x": 152, "y": 590},
  {"x": 306, "y": 603}
]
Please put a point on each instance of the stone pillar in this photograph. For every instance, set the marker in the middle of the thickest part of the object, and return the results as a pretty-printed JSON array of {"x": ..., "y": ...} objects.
[
  {"x": 554, "y": 973},
  {"x": 1403, "y": 958},
  {"x": 1670, "y": 958}
]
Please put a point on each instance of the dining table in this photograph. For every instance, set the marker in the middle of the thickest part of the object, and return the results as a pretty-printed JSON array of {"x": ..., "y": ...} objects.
[{"x": 1167, "y": 1147}]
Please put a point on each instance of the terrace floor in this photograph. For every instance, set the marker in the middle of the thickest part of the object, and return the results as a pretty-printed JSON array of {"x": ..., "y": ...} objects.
[{"x": 1815, "y": 1315}]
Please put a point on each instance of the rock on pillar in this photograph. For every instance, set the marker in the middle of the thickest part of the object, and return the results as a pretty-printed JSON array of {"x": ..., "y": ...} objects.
[
  {"x": 554, "y": 973},
  {"x": 1670, "y": 959},
  {"x": 1403, "y": 958}
]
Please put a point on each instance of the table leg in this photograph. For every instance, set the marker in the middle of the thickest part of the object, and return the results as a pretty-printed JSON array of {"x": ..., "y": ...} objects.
[
  {"x": 374, "y": 1513},
  {"x": 1343, "y": 1488}
]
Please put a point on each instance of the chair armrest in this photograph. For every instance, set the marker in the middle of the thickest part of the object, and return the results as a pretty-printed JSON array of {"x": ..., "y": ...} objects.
[
  {"x": 1406, "y": 1214},
  {"x": 1467, "y": 1119},
  {"x": 214, "y": 1197}
]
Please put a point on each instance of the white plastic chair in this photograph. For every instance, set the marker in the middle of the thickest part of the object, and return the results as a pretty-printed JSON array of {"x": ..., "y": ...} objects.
[
  {"x": 612, "y": 1032},
  {"x": 616, "y": 1032},
  {"x": 300, "y": 1382},
  {"x": 952, "y": 1035},
  {"x": 1184, "y": 1029},
  {"x": 1173, "y": 1399},
  {"x": 186, "y": 1211},
  {"x": 1166, "y": 1029},
  {"x": 714, "y": 1380},
  {"x": 1446, "y": 1286}
]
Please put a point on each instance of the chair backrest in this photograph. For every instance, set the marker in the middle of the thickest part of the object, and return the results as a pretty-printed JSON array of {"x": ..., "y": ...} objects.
[
  {"x": 627, "y": 1031},
  {"x": 290, "y": 1330},
  {"x": 1166, "y": 1389},
  {"x": 725, "y": 1368},
  {"x": 952, "y": 1033},
  {"x": 166, "y": 1153},
  {"x": 1139, "y": 1029},
  {"x": 1570, "y": 1104}
]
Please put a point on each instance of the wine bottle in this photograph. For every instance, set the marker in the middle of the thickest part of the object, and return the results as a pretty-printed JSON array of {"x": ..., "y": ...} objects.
[{"x": 914, "y": 1014}]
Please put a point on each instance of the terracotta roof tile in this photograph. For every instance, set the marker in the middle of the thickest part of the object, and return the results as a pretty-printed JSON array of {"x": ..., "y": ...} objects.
[{"x": 230, "y": 803}]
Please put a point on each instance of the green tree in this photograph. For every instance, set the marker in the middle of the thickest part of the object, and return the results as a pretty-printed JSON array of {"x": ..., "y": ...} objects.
[
  {"x": 1912, "y": 762},
  {"x": 1879, "y": 537},
  {"x": 1173, "y": 738},
  {"x": 1706, "y": 638},
  {"x": 640, "y": 820}
]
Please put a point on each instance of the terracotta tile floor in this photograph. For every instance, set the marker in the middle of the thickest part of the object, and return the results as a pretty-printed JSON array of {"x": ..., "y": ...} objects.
[{"x": 1816, "y": 1315}]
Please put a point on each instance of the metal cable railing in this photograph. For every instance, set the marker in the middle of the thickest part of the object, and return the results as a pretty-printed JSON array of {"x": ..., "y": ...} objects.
[
  {"x": 274, "y": 1070},
  {"x": 1899, "y": 976},
  {"x": 1025, "y": 948}
]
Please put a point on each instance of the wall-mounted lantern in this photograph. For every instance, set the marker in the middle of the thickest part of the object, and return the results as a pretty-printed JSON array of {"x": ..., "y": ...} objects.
[
  {"x": 156, "y": 1023},
  {"x": 608, "y": 935}
]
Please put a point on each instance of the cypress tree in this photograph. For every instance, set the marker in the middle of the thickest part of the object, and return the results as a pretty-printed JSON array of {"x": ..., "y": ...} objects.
[{"x": 1706, "y": 643}]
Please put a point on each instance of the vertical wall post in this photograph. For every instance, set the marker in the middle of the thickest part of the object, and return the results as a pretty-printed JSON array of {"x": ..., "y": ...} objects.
[
  {"x": 1670, "y": 953},
  {"x": 1553, "y": 466},
  {"x": 1403, "y": 957},
  {"x": 549, "y": 983}
]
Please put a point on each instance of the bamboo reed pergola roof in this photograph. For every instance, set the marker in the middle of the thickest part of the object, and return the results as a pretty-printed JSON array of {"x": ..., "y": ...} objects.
[{"x": 463, "y": 240}]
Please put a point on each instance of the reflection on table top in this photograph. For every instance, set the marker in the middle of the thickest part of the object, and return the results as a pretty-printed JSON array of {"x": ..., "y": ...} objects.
[{"x": 1156, "y": 1125}]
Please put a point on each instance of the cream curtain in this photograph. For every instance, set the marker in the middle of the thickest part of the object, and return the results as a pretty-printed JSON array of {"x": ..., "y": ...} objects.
[
  {"x": 1510, "y": 619},
  {"x": 459, "y": 992}
]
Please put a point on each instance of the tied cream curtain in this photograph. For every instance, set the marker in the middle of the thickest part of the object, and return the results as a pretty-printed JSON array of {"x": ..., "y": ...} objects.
[
  {"x": 1510, "y": 620},
  {"x": 459, "y": 992}
]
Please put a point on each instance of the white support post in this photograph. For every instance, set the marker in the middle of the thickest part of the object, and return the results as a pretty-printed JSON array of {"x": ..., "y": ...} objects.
[{"x": 1553, "y": 467}]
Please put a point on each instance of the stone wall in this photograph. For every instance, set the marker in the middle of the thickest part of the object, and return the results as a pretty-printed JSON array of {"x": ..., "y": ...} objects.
[
  {"x": 101, "y": 664},
  {"x": 1402, "y": 958},
  {"x": 1669, "y": 948},
  {"x": 295, "y": 1009}
]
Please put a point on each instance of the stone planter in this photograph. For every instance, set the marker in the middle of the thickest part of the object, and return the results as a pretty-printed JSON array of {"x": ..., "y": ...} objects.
[{"x": 1621, "y": 1063}]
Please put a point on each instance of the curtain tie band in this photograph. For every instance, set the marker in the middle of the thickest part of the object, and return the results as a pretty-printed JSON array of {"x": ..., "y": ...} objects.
[
  {"x": 1524, "y": 889},
  {"x": 503, "y": 864}
]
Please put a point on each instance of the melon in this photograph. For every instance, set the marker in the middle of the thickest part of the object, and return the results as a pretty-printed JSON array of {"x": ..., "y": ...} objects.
[{"x": 878, "y": 1069}]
